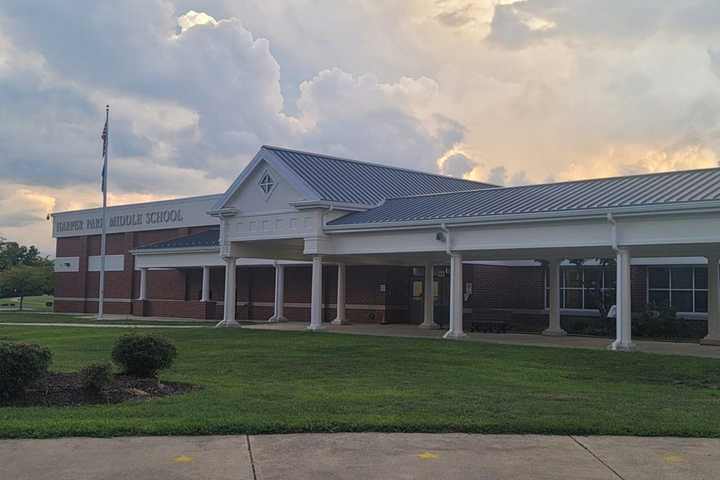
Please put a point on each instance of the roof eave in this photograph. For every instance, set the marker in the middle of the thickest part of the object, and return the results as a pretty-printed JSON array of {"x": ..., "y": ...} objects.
[
  {"x": 695, "y": 207},
  {"x": 167, "y": 251}
]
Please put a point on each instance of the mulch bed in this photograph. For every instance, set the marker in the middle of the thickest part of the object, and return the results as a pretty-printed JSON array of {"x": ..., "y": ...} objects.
[{"x": 65, "y": 389}]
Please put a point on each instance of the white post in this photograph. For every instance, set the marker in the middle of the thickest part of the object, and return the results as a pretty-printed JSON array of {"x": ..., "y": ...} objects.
[
  {"x": 316, "y": 296},
  {"x": 279, "y": 304},
  {"x": 554, "y": 328},
  {"x": 205, "y": 293},
  {"x": 713, "y": 317},
  {"x": 340, "y": 318},
  {"x": 230, "y": 298},
  {"x": 456, "y": 299},
  {"x": 623, "y": 318},
  {"x": 428, "y": 299},
  {"x": 142, "y": 295}
]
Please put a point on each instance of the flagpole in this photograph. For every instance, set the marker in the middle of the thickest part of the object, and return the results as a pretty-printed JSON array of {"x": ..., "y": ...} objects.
[{"x": 106, "y": 141}]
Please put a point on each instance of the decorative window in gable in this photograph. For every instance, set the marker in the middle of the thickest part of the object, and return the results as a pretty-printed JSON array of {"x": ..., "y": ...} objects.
[{"x": 267, "y": 184}]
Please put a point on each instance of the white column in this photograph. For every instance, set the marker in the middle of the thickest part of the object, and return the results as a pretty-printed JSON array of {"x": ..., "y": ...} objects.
[
  {"x": 554, "y": 328},
  {"x": 316, "y": 295},
  {"x": 279, "y": 305},
  {"x": 341, "y": 318},
  {"x": 623, "y": 318},
  {"x": 456, "y": 299},
  {"x": 428, "y": 299},
  {"x": 713, "y": 317},
  {"x": 230, "y": 299},
  {"x": 142, "y": 295},
  {"x": 205, "y": 294}
]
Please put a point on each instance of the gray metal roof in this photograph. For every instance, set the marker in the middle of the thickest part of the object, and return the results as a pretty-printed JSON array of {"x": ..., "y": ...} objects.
[
  {"x": 671, "y": 188},
  {"x": 350, "y": 181},
  {"x": 209, "y": 238}
]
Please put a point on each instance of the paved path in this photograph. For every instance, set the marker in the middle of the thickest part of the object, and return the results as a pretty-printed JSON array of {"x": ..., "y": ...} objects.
[
  {"x": 412, "y": 331},
  {"x": 362, "y": 456},
  {"x": 570, "y": 341}
]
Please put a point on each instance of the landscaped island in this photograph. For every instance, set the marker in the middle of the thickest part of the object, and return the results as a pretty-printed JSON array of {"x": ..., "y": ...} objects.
[{"x": 269, "y": 382}]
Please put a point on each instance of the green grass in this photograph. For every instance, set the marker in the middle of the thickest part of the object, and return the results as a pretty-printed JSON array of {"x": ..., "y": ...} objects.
[
  {"x": 32, "y": 317},
  {"x": 272, "y": 382},
  {"x": 36, "y": 303}
]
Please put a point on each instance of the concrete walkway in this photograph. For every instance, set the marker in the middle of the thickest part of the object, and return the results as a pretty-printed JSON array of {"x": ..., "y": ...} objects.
[
  {"x": 361, "y": 456},
  {"x": 570, "y": 341}
]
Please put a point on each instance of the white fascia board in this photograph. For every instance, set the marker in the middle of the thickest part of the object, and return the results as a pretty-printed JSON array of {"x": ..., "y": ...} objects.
[
  {"x": 594, "y": 214},
  {"x": 173, "y": 251},
  {"x": 155, "y": 203},
  {"x": 278, "y": 165}
]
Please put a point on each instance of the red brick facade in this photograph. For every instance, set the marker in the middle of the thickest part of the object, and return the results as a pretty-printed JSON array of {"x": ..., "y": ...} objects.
[{"x": 374, "y": 294}]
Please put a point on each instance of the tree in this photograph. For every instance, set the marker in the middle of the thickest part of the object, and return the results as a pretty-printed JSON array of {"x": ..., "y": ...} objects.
[
  {"x": 24, "y": 280},
  {"x": 12, "y": 254}
]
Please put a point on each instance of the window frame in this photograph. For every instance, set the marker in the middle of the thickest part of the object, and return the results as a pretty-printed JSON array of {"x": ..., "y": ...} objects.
[{"x": 693, "y": 289}]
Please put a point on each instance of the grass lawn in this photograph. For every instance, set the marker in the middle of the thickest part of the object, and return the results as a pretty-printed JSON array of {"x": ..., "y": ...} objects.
[
  {"x": 36, "y": 303},
  {"x": 29, "y": 317},
  {"x": 272, "y": 382}
]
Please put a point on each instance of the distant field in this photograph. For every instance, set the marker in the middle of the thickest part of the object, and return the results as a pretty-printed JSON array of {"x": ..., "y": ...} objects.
[{"x": 36, "y": 304}]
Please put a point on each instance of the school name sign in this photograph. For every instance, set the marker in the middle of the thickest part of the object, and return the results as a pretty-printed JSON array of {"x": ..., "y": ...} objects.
[{"x": 187, "y": 212}]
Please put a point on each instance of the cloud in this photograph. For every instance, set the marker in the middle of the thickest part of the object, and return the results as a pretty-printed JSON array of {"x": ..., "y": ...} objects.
[
  {"x": 515, "y": 91},
  {"x": 456, "y": 17},
  {"x": 457, "y": 165}
]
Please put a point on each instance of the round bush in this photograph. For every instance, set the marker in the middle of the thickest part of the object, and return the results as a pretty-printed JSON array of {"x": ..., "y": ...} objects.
[
  {"x": 143, "y": 355},
  {"x": 21, "y": 365},
  {"x": 96, "y": 377}
]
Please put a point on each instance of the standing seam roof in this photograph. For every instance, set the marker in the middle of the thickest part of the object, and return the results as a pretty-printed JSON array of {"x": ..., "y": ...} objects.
[
  {"x": 650, "y": 189},
  {"x": 350, "y": 181}
]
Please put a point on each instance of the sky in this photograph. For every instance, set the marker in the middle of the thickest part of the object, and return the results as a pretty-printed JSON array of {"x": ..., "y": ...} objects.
[{"x": 510, "y": 92}]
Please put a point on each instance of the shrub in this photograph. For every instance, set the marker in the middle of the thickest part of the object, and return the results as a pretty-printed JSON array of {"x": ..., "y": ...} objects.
[
  {"x": 21, "y": 365},
  {"x": 656, "y": 321},
  {"x": 143, "y": 355},
  {"x": 96, "y": 377}
]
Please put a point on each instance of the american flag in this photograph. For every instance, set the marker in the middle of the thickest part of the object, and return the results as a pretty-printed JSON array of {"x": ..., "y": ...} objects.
[{"x": 104, "y": 137}]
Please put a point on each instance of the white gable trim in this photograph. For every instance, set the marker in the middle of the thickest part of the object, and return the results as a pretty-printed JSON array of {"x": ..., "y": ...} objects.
[{"x": 277, "y": 165}]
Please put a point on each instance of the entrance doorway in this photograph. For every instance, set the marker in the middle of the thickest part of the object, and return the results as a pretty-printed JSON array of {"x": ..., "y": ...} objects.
[{"x": 441, "y": 295}]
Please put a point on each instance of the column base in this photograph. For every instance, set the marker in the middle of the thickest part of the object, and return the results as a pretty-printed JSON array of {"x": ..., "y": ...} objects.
[
  {"x": 315, "y": 328},
  {"x": 454, "y": 335},
  {"x": 227, "y": 324},
  {"x": 713, "y": 341},
  {"x": 552, "y": 332},
  {"x": 276, "y": 319},
  {"x": 340, "y": 321},
  {"x": 430, "y": 326},
  {"x": 621, "y": 347}
]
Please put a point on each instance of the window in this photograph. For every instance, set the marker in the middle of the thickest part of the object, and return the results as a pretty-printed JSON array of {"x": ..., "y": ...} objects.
[
  {"x": 683, "y": 288},
  {"x": 266, "y": 183},
  {"x": 579, "y": 286}
]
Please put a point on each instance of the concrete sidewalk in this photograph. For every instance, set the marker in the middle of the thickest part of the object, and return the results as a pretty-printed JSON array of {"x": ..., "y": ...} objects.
[
  {"x": 569, "y": 341},
  {"x": 361, "y": 456}
]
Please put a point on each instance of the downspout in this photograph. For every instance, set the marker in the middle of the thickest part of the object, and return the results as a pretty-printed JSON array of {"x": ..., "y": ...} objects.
[
  {"x": 445, "y": 230},
  {"x": 613, "y": 232}
]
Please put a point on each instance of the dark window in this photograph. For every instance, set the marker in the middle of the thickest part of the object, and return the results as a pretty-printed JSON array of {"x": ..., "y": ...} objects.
[
  {"x": 658, "y": 277},
  {"x": 701, "y": 301},
  {"x": 681, "y": 278},
  {"x": 701, "y": 278},
  {"x": 683, "y": 288}
]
